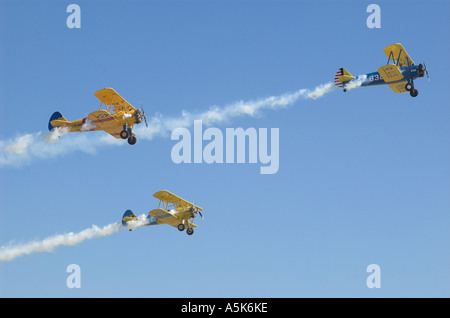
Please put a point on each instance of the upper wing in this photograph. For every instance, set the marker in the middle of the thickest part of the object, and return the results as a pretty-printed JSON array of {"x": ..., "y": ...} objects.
[
  {"x": 166, "y": 217},
  {"x": 398, "y": 55},
  {"x": 109, "y": 96},
  {"x": 393, "y": 77},
  {"x": 179, "y": 203}
]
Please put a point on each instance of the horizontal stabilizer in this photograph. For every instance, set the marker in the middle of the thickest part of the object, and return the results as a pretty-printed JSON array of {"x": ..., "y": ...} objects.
[
  {"x": 56, "y": 120},
  {"x": 342, "y": 76}
]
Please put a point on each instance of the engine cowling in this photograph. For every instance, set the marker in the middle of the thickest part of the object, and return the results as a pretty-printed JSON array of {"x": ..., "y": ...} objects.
[
  {"x": 137, "y": 116},
  {"x": 420, "y": 71}
]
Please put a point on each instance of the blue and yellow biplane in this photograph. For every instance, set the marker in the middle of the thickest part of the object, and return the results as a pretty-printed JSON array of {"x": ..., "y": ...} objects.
[
  {"x": 115, "y": 116},
  {"x": 399, "y": 73},
  {"x": 172, "y": 210}
]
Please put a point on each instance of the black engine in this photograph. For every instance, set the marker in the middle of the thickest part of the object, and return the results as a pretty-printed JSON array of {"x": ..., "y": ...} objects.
[
  {"x": 420, "y": 70},
  {"x": 138, "y": 116}
]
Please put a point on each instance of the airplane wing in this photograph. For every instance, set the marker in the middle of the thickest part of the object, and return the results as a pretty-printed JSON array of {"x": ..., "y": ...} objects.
[
  {"x": 179, "y": 203},
  {"x": 166, "y": 217},
  {"x": 398, "y": 87},
  {"x": 109, "y": 96},
  {"x": 390, "y": 74},
  {"x": 104, "y": 121},
  {"x": 398, "y": 55}
]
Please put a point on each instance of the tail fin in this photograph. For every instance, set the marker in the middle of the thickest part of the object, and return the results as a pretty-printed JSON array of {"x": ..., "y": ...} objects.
[
  {"x": 342, "y": 76},
  {"x": 57, "y": 119},
  {"x": 128, "y": 216}
]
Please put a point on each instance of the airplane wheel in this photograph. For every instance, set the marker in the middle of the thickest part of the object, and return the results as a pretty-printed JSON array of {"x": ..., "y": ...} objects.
[
  {"x": 414, "y": 93},
  {"x": 132, "y": 140},
  {"x": 124, "y": 134},
  {"x": 408, "y": 87},
  {"x": 180, "y": 227},
  {"x": 190, "y": 231}
]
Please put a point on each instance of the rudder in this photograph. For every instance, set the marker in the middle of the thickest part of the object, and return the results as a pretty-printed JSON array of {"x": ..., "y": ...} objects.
[
  {"x": 342, "y": 76},
  {"x": 128, "y": 216}
]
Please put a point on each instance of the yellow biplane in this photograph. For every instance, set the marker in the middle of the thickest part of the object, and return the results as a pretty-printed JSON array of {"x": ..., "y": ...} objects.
[
  {"x": 115, "y": 116},
  {"x": 172, "y": 210}
]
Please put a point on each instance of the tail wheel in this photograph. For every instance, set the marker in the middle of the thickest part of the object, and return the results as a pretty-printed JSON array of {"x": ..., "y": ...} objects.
[
  {"x": 124, "y": 134},
  {"x": 132, "y": 140},
  {"x": 414, "y": 93},
  {"x": 180, "y": 227},
  {"x": 190, "y": 231}
]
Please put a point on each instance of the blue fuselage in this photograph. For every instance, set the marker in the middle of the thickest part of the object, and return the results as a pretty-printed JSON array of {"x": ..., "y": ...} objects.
[{"x": 409, "y": 74}]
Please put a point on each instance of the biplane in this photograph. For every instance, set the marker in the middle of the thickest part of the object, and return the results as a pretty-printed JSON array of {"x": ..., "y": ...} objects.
[
  {"x": 172, "y": 210},
  {"x": 399, "y": 73},
  {"x": 115, "y": 116}
]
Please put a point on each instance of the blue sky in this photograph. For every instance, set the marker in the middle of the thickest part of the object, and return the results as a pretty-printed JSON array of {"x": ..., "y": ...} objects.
[{"x": 363, "y": 176}]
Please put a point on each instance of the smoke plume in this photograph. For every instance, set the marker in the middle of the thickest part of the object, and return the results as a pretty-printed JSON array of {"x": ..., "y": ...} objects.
[{"x": 10, "y": 252}]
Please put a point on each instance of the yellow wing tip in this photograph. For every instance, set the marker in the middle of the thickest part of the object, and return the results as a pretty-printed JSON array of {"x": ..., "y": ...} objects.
[{"x": 105, "y": 89}]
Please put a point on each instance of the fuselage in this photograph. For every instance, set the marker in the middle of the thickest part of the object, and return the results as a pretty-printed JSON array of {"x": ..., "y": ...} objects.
[
  {"x": 86, "y": 124},
  {"x": 409, "y": 74}
]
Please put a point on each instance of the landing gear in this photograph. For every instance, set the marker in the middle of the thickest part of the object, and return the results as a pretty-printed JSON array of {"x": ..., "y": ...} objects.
[
  {"x": 124, "y": 134},
  {"x": 410, "y": 88},
  {"x": 132, "y": 140},
  {"x": 189, "y": 230},
  {"x": 127, "y": 133}
]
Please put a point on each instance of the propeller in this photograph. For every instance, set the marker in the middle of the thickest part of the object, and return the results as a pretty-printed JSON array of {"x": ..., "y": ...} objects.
[
  {"x": 422, "y": 70},
  {"x": 426, "y": 71},
  {"x": 194, "y": 210},
  {"x": 145, "y": 117},
  {"x": 143, "y": 113}
]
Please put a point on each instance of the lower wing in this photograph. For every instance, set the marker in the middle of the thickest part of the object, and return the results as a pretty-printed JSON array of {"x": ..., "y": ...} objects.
[
  {"x": 399, "y": 87},
  {"x": 104, "y": 121},
  {"x": 393, "y": 77},
  {"x": 165, "y": 217}
]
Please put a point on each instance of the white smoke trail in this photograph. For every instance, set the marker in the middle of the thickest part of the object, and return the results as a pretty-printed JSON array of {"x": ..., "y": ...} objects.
[
  {"x": 55, "y": 134},
  {"x": 321, "y": 90},
  {"x": 216, "y": 115},
  {"x": 88, "y": 125},
  {"x": 8, "y": 253},
  {"x": 141, "y": 221},
  {"x": 24, "y": 149},
  {"x": 356, "y": 82}
]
